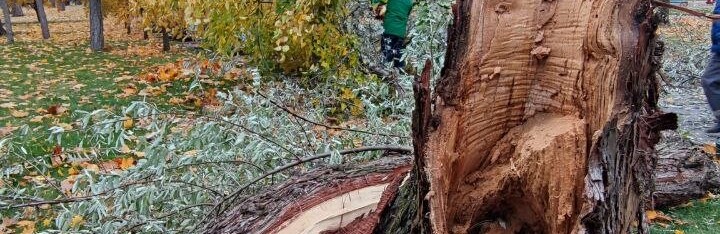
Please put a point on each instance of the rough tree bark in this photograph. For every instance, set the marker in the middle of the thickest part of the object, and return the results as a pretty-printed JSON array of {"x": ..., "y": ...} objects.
[
  {"x": 97, "y": 40},
  {"x": 546, "y": 118},
  {"x": 16, "y": 10},
  {"x": 42, "y": 18},
  {"x": 544, "y": 121},
  {"x": 683, "y": 173},
  {"x": 61, "y": 5},
  {"x": 165, "y": 40},
  {"x": 7, "y": 22}
]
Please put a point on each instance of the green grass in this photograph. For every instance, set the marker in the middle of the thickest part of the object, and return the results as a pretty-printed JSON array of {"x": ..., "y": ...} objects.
[
  {"x": 36, "y": 76},
  {"x": 700, "y": 217},
  {"x": 40, "y": 75}
]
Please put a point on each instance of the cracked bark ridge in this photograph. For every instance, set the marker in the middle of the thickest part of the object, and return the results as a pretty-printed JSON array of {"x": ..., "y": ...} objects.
[{"x": 541, "y": 111}]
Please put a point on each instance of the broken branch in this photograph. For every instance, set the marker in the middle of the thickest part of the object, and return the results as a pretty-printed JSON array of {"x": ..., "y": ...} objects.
[
  {"x": 401, "y": 149},
  {"x": 283, "y": 108},
  {"x": 686, "y": 10}
]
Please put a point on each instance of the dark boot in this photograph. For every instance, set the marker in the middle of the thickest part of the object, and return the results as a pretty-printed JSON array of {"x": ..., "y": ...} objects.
[{"x": 714, "y": 129}]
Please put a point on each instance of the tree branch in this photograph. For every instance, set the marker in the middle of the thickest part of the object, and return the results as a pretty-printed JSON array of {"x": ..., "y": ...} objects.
[
  {"x": 685, "y": 9},
  {"x": 285, "y": 109},
  {"x": 237, "y": 192}
]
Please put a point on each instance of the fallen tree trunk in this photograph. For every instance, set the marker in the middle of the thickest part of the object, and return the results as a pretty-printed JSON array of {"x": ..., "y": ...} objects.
[
  {"x": 544, "y": 121},
  {"x": 320, "y": 200},
  {"x": 683, "y": 173}
]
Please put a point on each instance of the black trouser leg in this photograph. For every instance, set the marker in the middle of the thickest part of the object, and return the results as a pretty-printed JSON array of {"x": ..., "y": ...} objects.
[{"x": 392, "y": 47}]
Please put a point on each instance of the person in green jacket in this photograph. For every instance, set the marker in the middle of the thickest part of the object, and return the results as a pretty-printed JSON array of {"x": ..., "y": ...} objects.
[{"x": 394, "y": 14}]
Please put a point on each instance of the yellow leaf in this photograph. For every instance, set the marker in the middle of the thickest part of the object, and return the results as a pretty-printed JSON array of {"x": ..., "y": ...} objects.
[
  {"x": 126, "y": 163},
  {"x": 651, "y": 214},
  {"x": 28, "y": 227},
  {"x": 73, "y": 171},
  {"x": 128, "y": 123},
  {"x": 47, "y": 222},
  {"x": 77, "y": 221},
  {"x": 679, "y": 232}
]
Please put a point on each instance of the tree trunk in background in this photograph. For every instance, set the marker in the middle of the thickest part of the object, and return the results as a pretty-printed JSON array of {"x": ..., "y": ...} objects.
[
  {"x": 544, "y": 121},
  {"x": 61, "y": 5},
  {"x": 7, "y": 21},
  {"x": 16, "y": 10},
  {"x": 165, "y": 40},
  {"x": 97, "y": 40},
  {"x": 127, "y": 27},
  {"x": 42, "y": 18}
]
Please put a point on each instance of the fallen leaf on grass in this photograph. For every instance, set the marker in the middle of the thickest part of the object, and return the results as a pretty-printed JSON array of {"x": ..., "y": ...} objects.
[
  {"x": 19, "y": 114},
  {"x": 78, "y": 87},
  {"x": 28, "y": 227},
  {"x": 126, "y": 163},
  {"x": 73, "y": 171},
  {"x": 57, "y": 158},
  {"x": 122, "y": 78},
  {"x": 47, "y": 223},
  {"x": 679, "y": 232},
  {"x": 128, "y": 123},
  {"x": 7, "y": 223},
  {"x": 56, "y": 110},
  {"x": 37, "y": 119},
  {"x": 8, "y": 105},
  {"x": 76, "y": 221},
  {"x": 176, "y": 101},
  {"x": 7, "y": 130},
  {"x": 128, "y": 91},
  {"x": 657, "y": 216},
  {"x": 65, "y": 126},
  {"x": 67, "y": 184}
]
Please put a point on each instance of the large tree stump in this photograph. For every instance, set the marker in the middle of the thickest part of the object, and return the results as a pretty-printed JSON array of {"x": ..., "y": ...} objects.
[
  {"x": 544, "y": 121},
  {"x": 543, "y": 115}
]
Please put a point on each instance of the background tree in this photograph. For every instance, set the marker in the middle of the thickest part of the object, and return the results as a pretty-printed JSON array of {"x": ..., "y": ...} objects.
[
  {"x": 60, "y": 4},
  {"x": 16, "y": 10},
  {"x": 97, "y": 40},
  {"x": 164, "y": 16},
  {"x": 7, "y": 22},
  {"x": 42, "y": 18}
]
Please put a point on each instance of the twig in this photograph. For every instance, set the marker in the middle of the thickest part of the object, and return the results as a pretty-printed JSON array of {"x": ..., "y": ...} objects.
[
  {"x": 217, "y": 162},
  {"x": 685, "y": 9},
  {"x": 169, "y": 214},
  {"x": 217, "y": 193},
  {"x": 243, "y": 127},
  {"x": 237, "y": 192},
  {"x": 325, "y": 125},
  {"x": 78, "y": 199}
]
